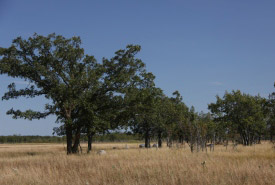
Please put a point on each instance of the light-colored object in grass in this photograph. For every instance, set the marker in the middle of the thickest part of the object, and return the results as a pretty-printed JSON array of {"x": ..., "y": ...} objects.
[
  {"x": 142, "y": 146},
  {"x": 235, "y": 146},
  {"x": 15, "y": 170},
  {"x": 155, "y": 145},
  {"x": 126, "y": 146},
  {"x": 101, "y": 152}
]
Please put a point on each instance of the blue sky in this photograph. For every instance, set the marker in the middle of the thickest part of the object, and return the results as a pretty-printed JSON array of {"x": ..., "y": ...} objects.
[{"x": 198, "y": 47}]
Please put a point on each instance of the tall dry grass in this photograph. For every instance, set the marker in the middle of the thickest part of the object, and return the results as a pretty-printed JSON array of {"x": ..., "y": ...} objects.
[{"x": 45, "y": 164}]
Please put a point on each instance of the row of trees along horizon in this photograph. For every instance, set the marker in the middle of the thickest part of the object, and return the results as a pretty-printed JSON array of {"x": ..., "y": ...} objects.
[{"x": 91, "y": 98}]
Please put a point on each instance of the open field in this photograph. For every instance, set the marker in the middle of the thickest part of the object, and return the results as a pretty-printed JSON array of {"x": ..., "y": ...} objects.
[{"x": 45, "y": 164}]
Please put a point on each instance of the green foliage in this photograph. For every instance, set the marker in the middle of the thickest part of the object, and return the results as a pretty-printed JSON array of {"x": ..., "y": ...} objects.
[
  {"x": 270, "y": 111},
  {"x": 111, "y": 137},
  {"x": 55, "y": 68},
  {"x": 91, "y": 98},
  {"x": 242, "y": 113},
  {"x": 75, "y": 83},
  {"x": 143, "y": 101},
  {"x": 117, "y": 137}
]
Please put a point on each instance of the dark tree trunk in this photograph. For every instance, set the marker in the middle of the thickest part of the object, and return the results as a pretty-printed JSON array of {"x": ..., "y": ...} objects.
[
  {"x": 214, "y": 141},
  {"x": 169, "y": 142},
  {"x": 192, "y": 147},
  {"x": 147, "y": 139},
  {"x": 220, "y": 140},
  {"x": 259, "y": 139},
  {"x": 181, "y": 139},
  {"x": 245, "y": 139},
  {"x": 76, "y": 141},
  {"x": 191, "y": 142},
  {"x": 69, "y": 130},
  {"x": 69, "y": 137},
  {"x": 159, "y": 140},
  {"x": 272, "y": 132},
  {"x": 90, "y": 140},
  {"x": 187, "y": 139}
]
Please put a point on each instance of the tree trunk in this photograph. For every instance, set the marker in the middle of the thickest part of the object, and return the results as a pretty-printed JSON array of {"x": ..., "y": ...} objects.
[
  {"x": 259, "y": 139},
  {"x": 214, "y": 141},
  {"x": 76, "y": 141},
  {"x": 69, "y": 129},
  {"x": 187, "y": 139},
  {"x": 272, "y": 132},
  {"x": 147, "y": 140},
  {"x": 69, "y": 137},
  {"x": 181, "y": 139},
  {"x": 159, "y": 140},
  {"x": 192, "y": 147},
  {"x": 245, "y": 139},
  {"x": 191, "y": 142},
  {"x": 90, "y": 140},
  {"x": 198, "y": 141}
]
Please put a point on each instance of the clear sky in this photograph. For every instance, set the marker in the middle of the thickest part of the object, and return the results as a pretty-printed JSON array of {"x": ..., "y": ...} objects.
[{"x": 198, "y": 47}]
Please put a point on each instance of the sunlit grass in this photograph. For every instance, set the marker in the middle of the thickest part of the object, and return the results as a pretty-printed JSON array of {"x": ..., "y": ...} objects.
[{"x": 49, "y": 164}]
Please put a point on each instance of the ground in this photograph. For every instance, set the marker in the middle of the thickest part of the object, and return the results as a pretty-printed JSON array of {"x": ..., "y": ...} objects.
[{"x": 45, "y": 164}]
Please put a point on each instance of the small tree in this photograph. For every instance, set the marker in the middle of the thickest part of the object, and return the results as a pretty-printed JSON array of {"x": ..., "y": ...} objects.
[
  {"x": 271, "y": 115},
  {"x": 179, "y": 117},
  {"x": 144, "y": 100}
]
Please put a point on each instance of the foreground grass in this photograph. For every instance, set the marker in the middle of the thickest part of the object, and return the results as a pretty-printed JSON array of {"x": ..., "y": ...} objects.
[{"x": 48, "y": 164}]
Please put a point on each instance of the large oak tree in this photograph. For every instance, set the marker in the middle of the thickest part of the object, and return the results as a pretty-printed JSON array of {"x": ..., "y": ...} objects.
[{"x": 57, "y": 68}]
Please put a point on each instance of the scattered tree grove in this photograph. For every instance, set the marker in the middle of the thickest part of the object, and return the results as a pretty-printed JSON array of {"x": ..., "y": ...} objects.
[
  {"x": 91, "y": 98},
  {"x": 242, "y": 114}
]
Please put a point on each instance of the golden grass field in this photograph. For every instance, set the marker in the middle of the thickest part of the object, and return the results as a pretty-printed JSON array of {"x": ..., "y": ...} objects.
[{"x": 43, "y": 164}]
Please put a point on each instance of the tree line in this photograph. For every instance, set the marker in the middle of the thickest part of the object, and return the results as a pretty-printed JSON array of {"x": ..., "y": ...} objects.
[
  {"x": 110, "y": 137},
  {"x": 92, "y": 98}
]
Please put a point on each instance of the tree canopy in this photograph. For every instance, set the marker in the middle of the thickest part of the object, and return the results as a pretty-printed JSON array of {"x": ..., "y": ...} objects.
[
  {"x": 57, "y": 68},
  {"x": 91, "y": 98},
  {"x": 244, "y": 113}
]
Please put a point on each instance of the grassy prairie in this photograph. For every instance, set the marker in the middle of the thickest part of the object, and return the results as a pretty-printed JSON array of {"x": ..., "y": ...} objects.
[{"x": 45, "y": 164}]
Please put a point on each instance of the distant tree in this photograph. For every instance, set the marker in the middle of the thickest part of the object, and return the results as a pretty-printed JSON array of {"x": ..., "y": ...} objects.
[
  {"x": 244, "y": 112},
  {"x": 206, "y": 132},
  {"x": 192, "y": 128},
  {"x": 144, "y": 100},
  {"x": 271, "y": 115},
  {"x": 164, "y": 115},
  {"x": 172, "y": 119},
  {"x": 180, "y": 117}
]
